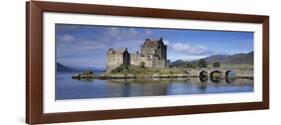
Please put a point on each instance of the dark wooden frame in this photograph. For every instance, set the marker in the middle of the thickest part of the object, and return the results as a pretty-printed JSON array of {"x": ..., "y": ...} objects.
[{"x": 34, "y": 61}]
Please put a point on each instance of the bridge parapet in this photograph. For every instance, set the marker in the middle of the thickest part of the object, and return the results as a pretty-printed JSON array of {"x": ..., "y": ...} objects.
[{"x": 238, "y": 72}]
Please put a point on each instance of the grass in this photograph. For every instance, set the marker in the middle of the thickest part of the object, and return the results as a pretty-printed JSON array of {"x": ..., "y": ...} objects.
[
  {"x": 136, "y": 70},
  {"x": 238, "y": 66},
  {"x": 148, "y": 71}
]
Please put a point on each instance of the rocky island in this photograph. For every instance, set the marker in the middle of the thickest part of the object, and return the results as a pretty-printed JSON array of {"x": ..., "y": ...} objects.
[{"x": 152, "y": 62}]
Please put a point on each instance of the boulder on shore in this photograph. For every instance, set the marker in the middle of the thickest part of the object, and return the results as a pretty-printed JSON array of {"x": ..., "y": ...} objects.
[{"x": 88, "y": 74}]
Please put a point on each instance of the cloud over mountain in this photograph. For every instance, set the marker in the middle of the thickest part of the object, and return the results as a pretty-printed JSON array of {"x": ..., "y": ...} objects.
[{"x": 189, "y": 49}]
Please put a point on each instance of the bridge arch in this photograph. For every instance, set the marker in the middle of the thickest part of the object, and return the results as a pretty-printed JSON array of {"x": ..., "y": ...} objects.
[
  {"x": 216, "y": 76},
  {"x": 230, "y": 74},
  {"x": 216, "y": 73},
  {"x": 203, "y": 74},
  {"x": 197, "y": 72},
  {"x": 203, "y": 79}
]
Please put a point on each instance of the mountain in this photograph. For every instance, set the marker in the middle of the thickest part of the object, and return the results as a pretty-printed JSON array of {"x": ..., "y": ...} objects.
[
  {"x": 240, "y": 58},
  {"x": 62, "y": 68},
  {"x": 94, "y": 69},
  {"x": 178, "y": 63}
]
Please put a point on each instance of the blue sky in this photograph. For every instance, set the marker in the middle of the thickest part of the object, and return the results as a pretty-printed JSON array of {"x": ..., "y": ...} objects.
[{"x": 86, "y": 45}]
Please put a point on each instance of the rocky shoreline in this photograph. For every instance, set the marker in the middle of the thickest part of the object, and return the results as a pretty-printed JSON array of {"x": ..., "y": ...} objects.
[
  {"x": 123, "y": 76},
  {"x": 91, "y": 75}
]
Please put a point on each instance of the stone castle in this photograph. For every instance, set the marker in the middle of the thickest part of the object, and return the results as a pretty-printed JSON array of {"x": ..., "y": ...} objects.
[{"x": 153, "y": 53}]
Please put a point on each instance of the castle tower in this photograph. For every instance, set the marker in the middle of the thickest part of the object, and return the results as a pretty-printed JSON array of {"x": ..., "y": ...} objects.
[
  {"x": 154, "y": 48},
  {"x": 153, "y": 54}
]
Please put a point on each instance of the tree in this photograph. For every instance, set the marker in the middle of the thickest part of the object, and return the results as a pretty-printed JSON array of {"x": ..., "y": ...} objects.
[
  {"x": 202, "y": 63},
  {"x": 216, "y": 64},
  {"x": 142, "y": 65},
  {"x": 124, "y": 67},
  {"x": 121, "y": 68},
  {"x": 188, "y": 65}
]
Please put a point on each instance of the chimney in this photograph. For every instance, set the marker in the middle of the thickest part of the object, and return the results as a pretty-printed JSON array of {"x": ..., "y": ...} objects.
[{"x": 161, "y": 39}]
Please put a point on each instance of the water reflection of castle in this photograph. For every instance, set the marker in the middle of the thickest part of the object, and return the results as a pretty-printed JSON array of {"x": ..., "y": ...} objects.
[
  {"x": 141, "y": 87},
  {"x": 153, "y": 54}
]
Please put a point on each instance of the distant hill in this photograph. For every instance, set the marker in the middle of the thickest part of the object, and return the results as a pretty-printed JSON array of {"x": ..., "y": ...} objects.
[
  {"x": 178, "y": 63},
  {"x": 241, "y": 58},
  {"x": 94, "y": 69},
  {"x": 62, "y": 68}
]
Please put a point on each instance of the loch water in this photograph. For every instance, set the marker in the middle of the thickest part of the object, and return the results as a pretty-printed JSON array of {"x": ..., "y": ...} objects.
[{"x": 68, "y": 88}]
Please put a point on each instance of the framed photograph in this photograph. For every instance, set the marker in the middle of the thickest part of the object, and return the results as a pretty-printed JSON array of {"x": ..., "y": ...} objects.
[{"x": 95, "y": 62}]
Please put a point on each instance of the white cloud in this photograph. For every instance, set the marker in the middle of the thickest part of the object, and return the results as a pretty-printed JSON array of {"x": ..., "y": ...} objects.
[
  {"x": 121, "y": 34},
  {"x": 91, "y": 45},
  {"x": 133, "y": 31},
  {"x": 185, "y": 48},
  {"x": 166, "y": 42},
  {"x": 147, "y": 32},
  {"x": 113, "y": 31},
  {"x": 117, "y": 37},
  {"x": 66, "y": 38}
]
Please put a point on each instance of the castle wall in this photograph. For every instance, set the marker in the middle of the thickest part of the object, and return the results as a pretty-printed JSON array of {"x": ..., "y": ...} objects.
[
  {"x": 148, "y": 61},
  {"x": 148, "y": 50},
  {"x": 113, "y": 61},
  {"x": 155, "y": 62},
  {"x": 135, "y": 59},
  {"x": 160, "y": 63}
]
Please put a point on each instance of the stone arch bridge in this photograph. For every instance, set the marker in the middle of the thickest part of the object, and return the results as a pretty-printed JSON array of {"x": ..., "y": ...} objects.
[{"x": 245, "y": 73}]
